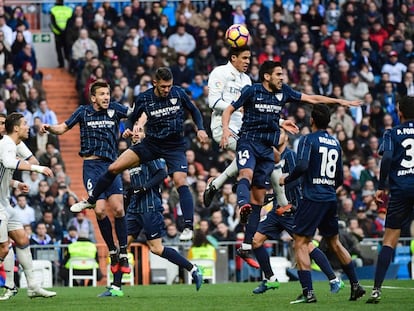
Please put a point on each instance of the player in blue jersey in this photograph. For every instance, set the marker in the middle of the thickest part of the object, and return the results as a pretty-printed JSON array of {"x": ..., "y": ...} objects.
[
  {"x": 259, "y": 134},
  {"x": 99, "y": 132},
  {"x": 397, "y": 165},
  {"x": 272, "y": 224},
  {"x": 319, "y": 163},
  {"x": 165, "y": 106}
]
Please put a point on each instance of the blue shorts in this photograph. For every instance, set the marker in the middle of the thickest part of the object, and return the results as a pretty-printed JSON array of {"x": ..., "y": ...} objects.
[
  {"x": 271, "y": 225},
  {"x": 172, "y": 151},
  {"x": 400, "y": 208},
  {"x": 152, "y": 223},
  {"x": 312, "y": 215},
  {"x": 92, "y": 170},
  {"x": 257, "y": 157}
]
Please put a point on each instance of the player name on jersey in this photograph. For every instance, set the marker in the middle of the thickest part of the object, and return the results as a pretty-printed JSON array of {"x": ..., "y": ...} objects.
[{"x": 328, "y": 141}]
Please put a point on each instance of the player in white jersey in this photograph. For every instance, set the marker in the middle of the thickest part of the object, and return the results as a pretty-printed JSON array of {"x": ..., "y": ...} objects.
[
  {"x": 13, "y": 153},
  {"x": 225, "y": 84}
]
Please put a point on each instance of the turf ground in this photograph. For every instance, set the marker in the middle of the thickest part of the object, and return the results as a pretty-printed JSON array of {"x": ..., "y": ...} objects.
[{"x": 397, "y": 295}]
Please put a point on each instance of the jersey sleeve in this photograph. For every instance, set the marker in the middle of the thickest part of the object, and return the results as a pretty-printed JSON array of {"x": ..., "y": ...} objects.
[
  {"x": 216, "y": 85},
  {"x": 75, "y": 117},
  {"x": 23, "y": 152},
  {"x": 291, "y": 93},
  {"x": 9, "y": 156},
  {"x": 195, "y": 112},
  {"x": 121, "y": 110}
]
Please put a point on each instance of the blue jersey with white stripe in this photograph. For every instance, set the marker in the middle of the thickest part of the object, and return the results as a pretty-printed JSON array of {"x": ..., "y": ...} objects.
[
  {"x": 262, "y": 112},
  {"x": 151, "y": 200},
  {"x": 166, "y": 115},
  {"x": 320, "y": 154},
  {"x": 400, "y": 142},
  {"x": 99, "y": 130}
]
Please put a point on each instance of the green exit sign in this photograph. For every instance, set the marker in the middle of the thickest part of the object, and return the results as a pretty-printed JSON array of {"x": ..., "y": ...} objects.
[{"x": 41, "y": 37}]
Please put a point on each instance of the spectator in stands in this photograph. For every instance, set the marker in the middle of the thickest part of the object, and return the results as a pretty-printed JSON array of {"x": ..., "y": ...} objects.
[
  {"x": 37, "y": 200},
  {"x": 172, "y": 237},
  {"x": 27, "y": 82},
  {"x": 371, "y": 149},
  {"x": 355, "y": 89},
  {"x": 27, "y": 54},
  {"x": 79, "y": 48},
  {"x": 388, "y": 99},
  {"x": 5, "y": 57},
  {"x": 53, "y": 227},
  {"x": 183, "y": 42},
  {"x": 24, "y": 211},
  {"x": 40, "y": 237},
  {"x": 38, "y": 141},
  {"x": 33, "y": 99},
  {"x": 45, "y": 114},
  {"x": 22, "y": 108},
  {"x": 7, "y": 31},
  {"x": 182, "y": 73},
  {"x": 341, "y": 117},
  {"x": 83, "y": 225},
  {"x": 406, "y": 87},
  {"x": 71, "y": 237},
  {"x": 370, "y": 173},
  {"x": 395, "y": 68}
]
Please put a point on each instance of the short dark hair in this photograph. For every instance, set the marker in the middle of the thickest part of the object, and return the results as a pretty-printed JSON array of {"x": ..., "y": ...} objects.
[
  {"x": 406, "y": 107},
  {"x": 12, "y": 120},
  {"x": 268, "y": 67},
  {"x": 321, "y": 116},
  {"x": 238, "y": 50},
  {"x": 163, "y": 73},
  {"x": 97, "y": 85}
]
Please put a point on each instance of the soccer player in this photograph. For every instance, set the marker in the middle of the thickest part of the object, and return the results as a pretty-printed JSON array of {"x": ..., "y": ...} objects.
[
  {"x": 165, "y": 106},
  {"x": 264, "y": 101},
  {"x": 225, "y": 85},
  {"x": 99, "y": 130},
  {"x": 145, "y": 212},
  {"x": 274, "y": 223},
  {"x": 319, "y": 162},
  {"x": 11, "y": 153},
  {"x": 397, "y": 165}
]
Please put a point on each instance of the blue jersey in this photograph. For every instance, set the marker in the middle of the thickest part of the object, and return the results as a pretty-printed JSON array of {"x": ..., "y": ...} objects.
[
  {"x": 293, "y": 189},
  {"x": 99, "y": 130},
  {"x": 262, "y": 112},
  {"x": 319, "y": 157},
  {"x": 398, "y": 145},
  {"x": 151, "y": 200},
  {"x": 166, "y": 115}
]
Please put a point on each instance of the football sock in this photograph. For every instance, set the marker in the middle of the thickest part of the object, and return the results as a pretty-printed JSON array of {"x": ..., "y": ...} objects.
[
  {"x": 230, "y": 171},
  {"x": 305, "y": 279},
  {"x": 263, "y": 258},
  {"x": 349, "y": 270},
  {"x": 25, "y": 259},
  {"x": 322, "y": 261},
  {"x": 172, "y": 255},
  {"x": 121, "y": 232},
  {"x": 9, "y": 268},
  {"x": 103, "y": 183},
  {"x": 246, "y": 246},
  {"x": 253, "y": 222},
  {"x": 117, "y": 279},
  {"x": 106, "y": 230},
  {"x": 187, "y": 206},
  {"x": 243, "y": 192},
  {"x": 384, "y": 260},
  {"x": 278, "y": 189}
]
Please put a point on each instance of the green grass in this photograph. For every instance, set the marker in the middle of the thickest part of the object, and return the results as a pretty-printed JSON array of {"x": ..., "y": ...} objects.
[{"x": 231, "y": 296}]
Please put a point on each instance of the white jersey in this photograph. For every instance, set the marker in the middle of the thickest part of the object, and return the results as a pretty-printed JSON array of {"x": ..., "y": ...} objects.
[
  {"x": 8, "y": 163},
  {"x": 225, "y": 84}
]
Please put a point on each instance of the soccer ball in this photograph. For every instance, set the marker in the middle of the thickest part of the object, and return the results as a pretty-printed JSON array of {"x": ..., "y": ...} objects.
[{"x": 237, "y": 35}]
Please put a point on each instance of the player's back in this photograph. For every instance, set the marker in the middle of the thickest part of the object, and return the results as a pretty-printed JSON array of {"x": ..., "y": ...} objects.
[
  {"x": 324, "y": 173},
  {"x": 401, "y": 140}
]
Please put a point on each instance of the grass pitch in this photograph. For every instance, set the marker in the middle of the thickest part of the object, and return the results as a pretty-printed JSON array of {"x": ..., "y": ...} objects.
[{"x": 396, "y": 295}]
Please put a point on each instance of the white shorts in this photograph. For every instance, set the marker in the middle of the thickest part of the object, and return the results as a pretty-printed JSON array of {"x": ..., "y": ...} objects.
[
  {"x": 217, "y": 133},
  {"x": 13, "y": 223},
  {"x": 4, "y": 235}
]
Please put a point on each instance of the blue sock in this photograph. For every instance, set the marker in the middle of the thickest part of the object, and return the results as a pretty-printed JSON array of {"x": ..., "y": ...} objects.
[
  {"x": 322, "y": 261},
  {"x": 252, "y": 224},
  {"x": 121, "y": 232},
  {"x": 349, "y": 270},
  {"x": 243, "y": 192},
  {"x": 172, "y": 255},
  {"x": 118, "y": 279},
  {"x": 187, "y": 206},
  {"x": 106, "y": 231},
  {"x": 384, "y": 260},
  {"x": 103, "y": 183},
  {"x": 263, "y": 258},
  {"x": 305, "y": 279}
]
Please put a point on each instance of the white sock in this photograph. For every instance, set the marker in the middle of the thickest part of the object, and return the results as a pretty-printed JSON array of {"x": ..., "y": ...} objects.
[
  {"x": 194, "y": 268},
  {"x": 229, "y": 172},
  {"x": 273, "y": 278},
  {"x": 9, "y": 268},
  {"x": 277, "y": 188},
  {"x": 334, "y": 280},
  {"x": 246, "y": 246},
  {"x": 25, "y": 258}
]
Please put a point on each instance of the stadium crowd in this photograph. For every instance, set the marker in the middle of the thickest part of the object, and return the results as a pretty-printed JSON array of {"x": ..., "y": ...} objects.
[{"x": 348, "y": 49}]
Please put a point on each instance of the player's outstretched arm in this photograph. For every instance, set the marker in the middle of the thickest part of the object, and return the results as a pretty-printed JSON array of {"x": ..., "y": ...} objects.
[
  {"x": 320, "y": 99},
  {"x": 57, "y": 129}
]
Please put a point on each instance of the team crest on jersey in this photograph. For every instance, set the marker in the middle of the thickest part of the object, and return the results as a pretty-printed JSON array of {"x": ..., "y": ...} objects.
[
  {"x": 279, "y": 96},
  {"x": 173, "y": 101},
  {"x": 110, "y": 112}
]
